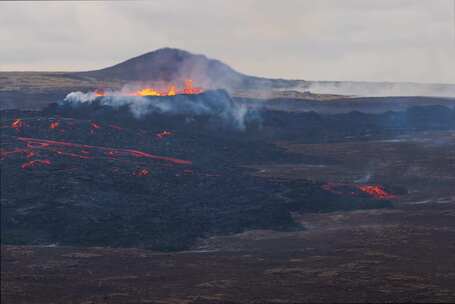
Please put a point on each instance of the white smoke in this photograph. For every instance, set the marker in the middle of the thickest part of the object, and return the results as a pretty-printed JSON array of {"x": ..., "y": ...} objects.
[
  {"x": 80, "y": 97},
  {"x": 216, "y": 104},
  {"x": 378, "y": 89},
  {"x": 364, "y": 179}
]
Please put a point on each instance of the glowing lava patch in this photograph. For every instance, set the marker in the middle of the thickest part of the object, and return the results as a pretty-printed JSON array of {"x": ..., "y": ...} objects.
[
  {"x": 17, "y": 124},
  {"x": 164, "y": 134},
  {"x": 375, "y": 191},
  {"x": 171, "y": 90},
  {"x": 89, "y": 151}
]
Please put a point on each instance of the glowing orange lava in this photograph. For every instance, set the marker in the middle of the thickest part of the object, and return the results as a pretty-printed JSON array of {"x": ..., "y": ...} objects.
[
  {"x": 54, "y": 125},
  {"x": 17, "y": 124},
  {"x": 148, "y": 92},
  {"x": 376, "y": 191},
  {"x": 61, "y": 148},
  {"x": 189, "y": 89},
  {"x": 171, "y": 90},
  {"x": 164, "y": 134}
]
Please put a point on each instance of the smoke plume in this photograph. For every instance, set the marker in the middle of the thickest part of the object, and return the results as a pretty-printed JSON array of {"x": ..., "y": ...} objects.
[{"x": 216, "y": 104}]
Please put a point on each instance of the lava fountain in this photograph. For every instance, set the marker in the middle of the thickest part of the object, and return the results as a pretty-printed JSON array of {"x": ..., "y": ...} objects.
[{"x": 171, "y": 90}]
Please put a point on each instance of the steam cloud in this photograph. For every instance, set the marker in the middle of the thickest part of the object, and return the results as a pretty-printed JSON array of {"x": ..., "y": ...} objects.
[{"x": 216, "y": 104}]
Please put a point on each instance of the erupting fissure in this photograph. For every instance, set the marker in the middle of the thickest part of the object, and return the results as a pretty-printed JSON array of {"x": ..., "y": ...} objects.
[
  {"x": 171, "y": 90},
  {"x": 164, "y": 134}
]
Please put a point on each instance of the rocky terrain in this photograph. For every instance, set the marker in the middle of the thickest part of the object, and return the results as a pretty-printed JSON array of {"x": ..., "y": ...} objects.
[
  {"x": 262, "y": 192},
  {"x": 399, "y": 255},
  {"x": 93, "y": 174}
]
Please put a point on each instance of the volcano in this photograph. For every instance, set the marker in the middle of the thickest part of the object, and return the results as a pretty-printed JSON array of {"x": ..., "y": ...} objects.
[
  {"x": 175, "y": 66},
  {"x": 166, "y": 64}
]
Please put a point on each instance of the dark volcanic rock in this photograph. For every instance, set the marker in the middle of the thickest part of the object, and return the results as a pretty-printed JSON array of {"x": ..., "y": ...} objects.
[{"x": 97, "y": 175}]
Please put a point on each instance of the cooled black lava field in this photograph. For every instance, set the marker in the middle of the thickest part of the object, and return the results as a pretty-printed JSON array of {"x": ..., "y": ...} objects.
[
  {"x": 96, "y": 175},
  {"x": 253, "y": 202}
]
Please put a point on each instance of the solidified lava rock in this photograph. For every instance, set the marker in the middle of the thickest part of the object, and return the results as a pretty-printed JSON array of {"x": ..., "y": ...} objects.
[{"x": 102, "y": 177}]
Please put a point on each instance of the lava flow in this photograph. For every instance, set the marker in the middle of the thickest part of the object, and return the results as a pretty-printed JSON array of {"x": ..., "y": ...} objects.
[
  {"x": 54, "y": 125},
  {"x": 164, "y": 134},
  {"x": 171, "y": 90},
  {"x": 375, "y": 191},
  {"x": 83, "y": 151},
  {"x": 17, "y": 124}
]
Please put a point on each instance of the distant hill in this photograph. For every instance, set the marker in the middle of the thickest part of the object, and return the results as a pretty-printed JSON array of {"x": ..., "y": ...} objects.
[{"x": 173, "y": 65}]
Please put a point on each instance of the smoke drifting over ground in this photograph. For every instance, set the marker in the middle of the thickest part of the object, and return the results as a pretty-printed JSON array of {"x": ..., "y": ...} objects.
[
  {"x": 217, "y": 105},
  {"x": 378, "y": 89}
]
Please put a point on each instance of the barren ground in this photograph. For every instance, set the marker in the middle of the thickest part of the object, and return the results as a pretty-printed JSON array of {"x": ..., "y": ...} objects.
[{"x": 391, "y": 255}]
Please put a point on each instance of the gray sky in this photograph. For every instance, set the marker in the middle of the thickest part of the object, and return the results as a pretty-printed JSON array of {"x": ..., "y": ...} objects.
[{"x": 387, "y": 40}]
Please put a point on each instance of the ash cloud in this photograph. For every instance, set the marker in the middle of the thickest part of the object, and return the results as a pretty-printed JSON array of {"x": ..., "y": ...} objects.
[{"x": 216, "y": 104}]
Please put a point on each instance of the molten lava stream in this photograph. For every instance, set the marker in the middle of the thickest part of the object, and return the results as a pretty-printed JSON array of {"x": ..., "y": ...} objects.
[
  {"x": 171, "y": 90},
  {"x": 58, "y": 146},
  {"x": 376, "y": 191}
]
